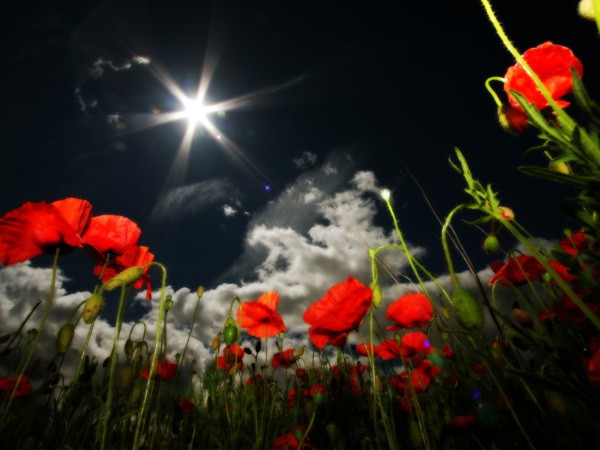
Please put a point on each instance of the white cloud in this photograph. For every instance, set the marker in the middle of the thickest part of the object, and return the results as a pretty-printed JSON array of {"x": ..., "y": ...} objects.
[
  {"x": 229, "y": 210},
  {"x": 307, "y": 159},
  {"x": 192, "y": 198},
  {"x": 102, "y": 64},
  {"x": 297, "y": 248}
]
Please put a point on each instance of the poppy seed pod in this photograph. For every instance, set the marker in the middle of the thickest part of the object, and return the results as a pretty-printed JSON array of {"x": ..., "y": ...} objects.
[
  {"x": 491, "y": 244},
  {"x": 168, "y": 303},
  {"x": 92, "y": 308},
  {"x": 469, "y": 313},
  {"x": 125, "y": 278},
  {"x": 64, "y": 337}
]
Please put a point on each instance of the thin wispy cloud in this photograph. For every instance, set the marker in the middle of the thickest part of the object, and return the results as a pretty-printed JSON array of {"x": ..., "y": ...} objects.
[
  {"x": 191, "y": 199},
  {"x": 307, "y": 159}
]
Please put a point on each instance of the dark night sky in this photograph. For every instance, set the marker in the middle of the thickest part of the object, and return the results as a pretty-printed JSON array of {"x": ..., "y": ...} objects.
[{"x": 385, "y": 82}]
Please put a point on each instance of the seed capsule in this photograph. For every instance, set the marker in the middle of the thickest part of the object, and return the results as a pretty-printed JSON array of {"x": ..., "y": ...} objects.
[{"x": 64, "y": 337}]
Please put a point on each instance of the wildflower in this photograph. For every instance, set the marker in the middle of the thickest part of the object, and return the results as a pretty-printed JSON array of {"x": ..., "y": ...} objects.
[
  {"x": 7, "y": 386},
  {"x": 260, "y": 317},
  {"x": 36, "y": 228},
  {"x": 338, "y": 312},
  {"x": 592, "y": 363},
  {"x": 516, "y": 271},
  {"x": 232, "y": 358},
  {"x": 416, "y": 343},
  {"x": 552, "y": 63},
  {"x": 285, "y": 359},
  {"x": 186, "y": 405},
  {"x": 420, "y": 376},
  {"x": 389, "y": 349},
  {"x": 574, "y": 243},
  {"x": 446, "y": 351},
  {"x": 110, "y": 235},
  {"x": 365, "y": 349},
  {"x": 165, "y": 370},
  {"x": 289, "y": 441},
  {"x": 409, "y": 311}
]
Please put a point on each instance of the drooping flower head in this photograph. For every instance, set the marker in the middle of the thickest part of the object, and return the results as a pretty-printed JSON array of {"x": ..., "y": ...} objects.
[
  {"x": 575, "y": 243},
  {"x": 552, "y": 63},
  {"x": 36, "y": 228},
  {"x": 412, "y": 310},
  {"x": 260, "y": 317},
  {"x": 339, "y": 312},
  {"x": 522, "y": 269}
]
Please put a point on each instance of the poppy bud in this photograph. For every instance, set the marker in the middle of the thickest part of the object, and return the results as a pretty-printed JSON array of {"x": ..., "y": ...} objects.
[
  {"x": 136, "y": 392},
  {"x": 128, "y": 348},
  {"x": 506, "y": 212},
  {"x": 319, "y": 398},
  {"x": 512, "y": 120},
  {"x": 125, "y": 278},
  {"x": 560, "y": 167},
  {"x": 491, "y": 244},
  {"x": 331, "y": 431},
  {"x": 385, "y": 194},
  {"x": 522, "y": 317},
  {"x": 468, "y": 310},
  {"x": 309, "y": 408},
  {"x": 64, "y": 337},
  {"x": 216, "y": 343},
  {"x": 377, "y": 296},
  {"x": 125, "y": 377},
  {"x": 230, "y": 331},
  {"x": 200, "y": 291},
  {"x": 168, "y": 302},
  {"x": 299, "y": 352},
  {"x": 92, "y": 308}
]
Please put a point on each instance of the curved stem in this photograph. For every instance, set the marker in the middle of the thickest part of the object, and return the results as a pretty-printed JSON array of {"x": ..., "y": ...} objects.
[
  {"x": 445, "y": 244},
  {"x": 154, "y": 363},
  {"x": 491, "y": 91},
  {"x": 188, "y": 338}
]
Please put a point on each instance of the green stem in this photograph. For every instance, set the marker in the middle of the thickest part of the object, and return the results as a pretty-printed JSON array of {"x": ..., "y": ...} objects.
[
  {"x": 445, "y": 246},
  {"x": 492, "y": 92},
  {"x": 113, "y": 364},
  {"x": 157, "y": 342},
  {"x": 188, "y": 338},
  {"x": 83, "y": 354},
  {"x": 596, "y": 4},
  {"x": 37, "y": 336}
]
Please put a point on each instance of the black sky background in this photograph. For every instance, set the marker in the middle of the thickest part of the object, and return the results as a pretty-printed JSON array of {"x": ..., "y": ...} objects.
[{"x": 388, "y": 82}]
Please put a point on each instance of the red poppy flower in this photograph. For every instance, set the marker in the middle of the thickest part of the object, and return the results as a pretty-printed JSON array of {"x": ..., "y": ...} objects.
[
  {"x": 260, "y": 317},
  {"x": 7, "y": 386},
  {"x": 516, "y": 271},
  {"x": 232, "y": 358},
  {"x": 289, "y": 441},
  {"x": 567, "y": 310},
  {"x": 420, "y": 377},
  {"x": 165, "y": 370},
  {"x": 416, "y": 343},
  {"x": 365, "y": 349},
  {"x": 552, "y": 63},
  {"x": 110, "y": 235},
  {"x": 574, "y": 243},
  {"x": 186, "y": 405},
  {"x": 134, "y": 257},
  {"x": 339, "y": 312},
  {"x": 409, "y": 311},
  {"x": 389, "y": 349},
  {"x": 36, "y": 228},
  {"x": 291, "y": 397},
  {"x": 592, "y": 363},
  {"x": 446, "y": 351},
  {"x": 284, "y": 359}
]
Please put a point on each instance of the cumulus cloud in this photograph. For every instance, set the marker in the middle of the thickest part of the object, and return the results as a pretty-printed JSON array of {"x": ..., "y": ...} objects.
[
  {"x": 190, "y": 199},
  {"x": 100, "y": 65},
  {"x": 315, "y": 234}
]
